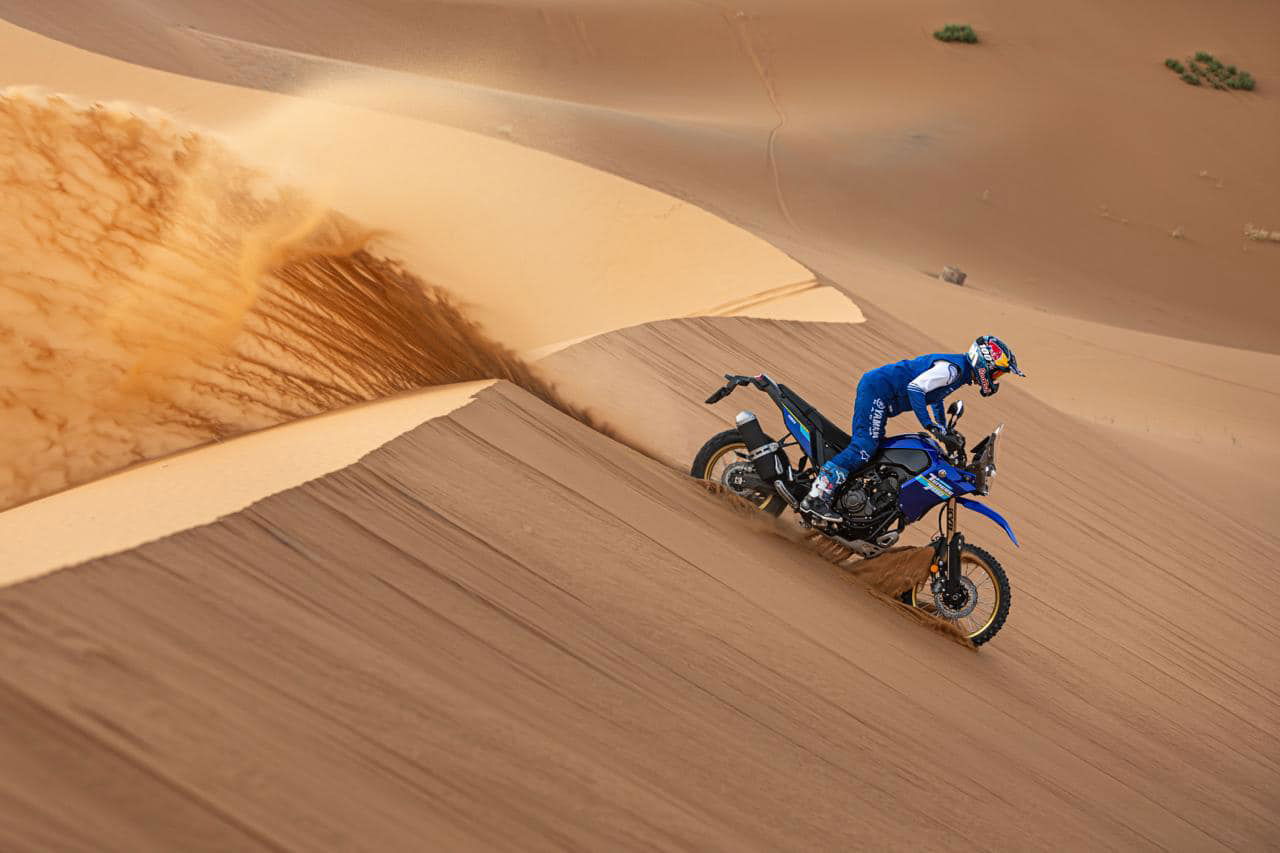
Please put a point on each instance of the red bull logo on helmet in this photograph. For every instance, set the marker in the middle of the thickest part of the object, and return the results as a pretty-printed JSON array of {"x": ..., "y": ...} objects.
[
  {"x": 994, "y": 355},
  {"x": 984, "y": 378},
  {"x": 990, "y": 361}
]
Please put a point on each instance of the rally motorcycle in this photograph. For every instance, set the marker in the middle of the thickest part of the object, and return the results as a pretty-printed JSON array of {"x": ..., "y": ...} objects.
[{"x": 908, "y": 476}]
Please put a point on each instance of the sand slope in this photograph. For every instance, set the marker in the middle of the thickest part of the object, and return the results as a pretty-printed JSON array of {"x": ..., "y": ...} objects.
[
  {"x": 186, "y": 489},
  {"x": 608, "y": 657},
  {"x": 1210, "y": 402},
  {"x": 503, "y": 629},
  {"x": 542, "y": 249},
  {"x": 1053, "y": 161},
  {"x": 857, "y": 154},
  {"x": 174, "y": 287}
]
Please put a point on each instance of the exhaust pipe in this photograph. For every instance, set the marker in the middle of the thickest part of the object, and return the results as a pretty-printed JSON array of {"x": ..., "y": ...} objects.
[{"x": 770, "y": 460}]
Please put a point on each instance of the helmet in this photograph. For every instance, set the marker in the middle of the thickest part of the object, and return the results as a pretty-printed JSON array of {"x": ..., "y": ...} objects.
[{"x": 991, "y": 359}]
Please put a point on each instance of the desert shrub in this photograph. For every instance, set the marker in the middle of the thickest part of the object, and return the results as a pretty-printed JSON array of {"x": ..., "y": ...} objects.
[
  {"x": 1242, "y": 81},
  {"x": 1205, "y": 67},
  {"x": 956, "y": 32}
]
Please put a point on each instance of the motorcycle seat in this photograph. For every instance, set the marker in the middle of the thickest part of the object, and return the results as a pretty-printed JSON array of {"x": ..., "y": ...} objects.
[{"x": 835, "y": 437}]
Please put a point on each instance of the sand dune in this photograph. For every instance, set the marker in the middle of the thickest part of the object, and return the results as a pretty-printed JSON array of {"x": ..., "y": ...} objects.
[
  {"x": 1053, "y": 161},
  {"x": 503, "y": 628},
  {"x": 608, "y": 657},
  {"x": 174, "y": 294},
  {"x": 1211, "y": 401},
  {"x": 165, "y": 295},
  {"x": 514, "y": 231},
  {"x": 1088, "y": 370},
  {"x": 187, "y": 489}
]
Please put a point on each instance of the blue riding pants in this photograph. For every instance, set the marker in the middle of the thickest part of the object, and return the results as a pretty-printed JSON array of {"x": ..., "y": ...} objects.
[{"x": 870, "y": 411}]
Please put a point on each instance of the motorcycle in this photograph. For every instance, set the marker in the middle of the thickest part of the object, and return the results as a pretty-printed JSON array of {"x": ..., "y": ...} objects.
[{"x": 908, "y": 476}]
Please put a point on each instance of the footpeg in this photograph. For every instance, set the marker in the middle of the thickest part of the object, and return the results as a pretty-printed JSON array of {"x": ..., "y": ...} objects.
[{"x": 821, "y": 510}]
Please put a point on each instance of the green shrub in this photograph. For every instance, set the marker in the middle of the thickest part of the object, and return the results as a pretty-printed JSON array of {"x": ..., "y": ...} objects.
[
  {"x": 1205, "y": 68},
  {"x": 956, "y": 32},
  {"x": 1242, "y": 81}
]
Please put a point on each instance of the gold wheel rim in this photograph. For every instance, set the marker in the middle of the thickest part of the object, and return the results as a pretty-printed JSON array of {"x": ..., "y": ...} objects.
[
  {"x": 986, "y": 581},
  {"x": 708, "y": 472}
]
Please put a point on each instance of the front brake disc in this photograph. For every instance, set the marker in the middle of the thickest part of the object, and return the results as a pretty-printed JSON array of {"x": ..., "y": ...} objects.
[{"x": 970, "y": 601}]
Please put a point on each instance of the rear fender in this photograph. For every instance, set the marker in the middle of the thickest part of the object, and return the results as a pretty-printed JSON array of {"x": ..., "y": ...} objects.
[{"x": 983, "y": 509}]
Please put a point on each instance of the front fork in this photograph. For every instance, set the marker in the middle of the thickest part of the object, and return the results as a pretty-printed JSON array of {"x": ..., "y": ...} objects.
[{"x": 946, "y": 556}]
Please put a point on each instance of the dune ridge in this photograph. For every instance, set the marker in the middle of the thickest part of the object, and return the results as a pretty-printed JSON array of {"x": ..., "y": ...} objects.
[{"x": 157, "y": 293}]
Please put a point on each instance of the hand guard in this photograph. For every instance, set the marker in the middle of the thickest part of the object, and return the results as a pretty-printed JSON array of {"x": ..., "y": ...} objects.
[{"x": 952, "y": 441}]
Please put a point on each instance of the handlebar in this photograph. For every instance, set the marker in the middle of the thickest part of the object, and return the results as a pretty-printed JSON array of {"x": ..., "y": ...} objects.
[{"x": 958, "y": 458}]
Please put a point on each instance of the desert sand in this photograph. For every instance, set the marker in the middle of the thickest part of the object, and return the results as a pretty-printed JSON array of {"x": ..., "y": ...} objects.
[
  {"x": 189, "y": 488},
  {"x": 1053, "y": 163},
  {"x": 609, "y": 657},
  {"x": 448, "y": 613},
  {"x": 101, "y": 297}
]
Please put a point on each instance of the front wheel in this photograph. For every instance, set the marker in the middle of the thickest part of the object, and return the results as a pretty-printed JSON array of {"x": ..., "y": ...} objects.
[
  {"x": 982, "y": 608},
  {"x": 723, "y": 460}
]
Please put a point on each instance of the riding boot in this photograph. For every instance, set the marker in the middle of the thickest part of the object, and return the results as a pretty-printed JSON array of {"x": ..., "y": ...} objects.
[{"x": 818, "y": 501}]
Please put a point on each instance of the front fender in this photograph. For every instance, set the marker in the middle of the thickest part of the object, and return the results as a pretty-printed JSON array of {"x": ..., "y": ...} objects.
[{"x": 983, "y": 509}]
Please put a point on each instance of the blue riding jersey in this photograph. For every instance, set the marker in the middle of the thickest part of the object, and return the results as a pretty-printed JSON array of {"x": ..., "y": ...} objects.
[
  {"x": 918, "y": 384},
  {"x": 893, "y": 384}
]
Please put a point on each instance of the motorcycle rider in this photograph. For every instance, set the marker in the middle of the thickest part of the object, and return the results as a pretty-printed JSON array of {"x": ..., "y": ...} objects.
[{"x": 919, "y": 384}]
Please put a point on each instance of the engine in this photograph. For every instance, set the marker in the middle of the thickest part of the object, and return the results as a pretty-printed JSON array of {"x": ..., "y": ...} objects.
[{"x": 870, "y": 495}]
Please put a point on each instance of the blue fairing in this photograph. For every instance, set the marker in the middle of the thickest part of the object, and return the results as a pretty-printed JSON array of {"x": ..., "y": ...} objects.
[
  {"x": 798, "y": 430},
  {"x": 938, "y": 482},
  {"x": 983, "y": 509}
]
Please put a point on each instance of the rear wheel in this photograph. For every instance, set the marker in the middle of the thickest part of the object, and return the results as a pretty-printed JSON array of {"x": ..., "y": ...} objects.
[
  {"x": 983, "y": 605},
  {"x": 723, "y": 459}
]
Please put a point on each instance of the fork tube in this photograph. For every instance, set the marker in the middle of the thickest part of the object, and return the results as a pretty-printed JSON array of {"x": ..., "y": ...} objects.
[{"x": 953, "y": 543}]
